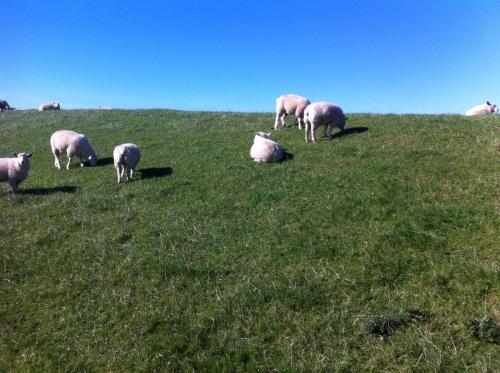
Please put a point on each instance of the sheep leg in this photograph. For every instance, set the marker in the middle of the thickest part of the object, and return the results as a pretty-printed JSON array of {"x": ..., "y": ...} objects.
[
  {"x": 117, "y": 167},
  {"x": 69, "y": 161},
  {"x": 300, "y": 123},
  {"x": 313, "y": 133},
  {"x": 13, "y": 186},
  {"x": 56, "y": 161},
  {"x": 306, "y": 126},
  {"x": 276, "y": 121},
  {"x": 283, "y": 120},
  {"x": 329, "y": 132},
  {"x": 130, "y": 173}
]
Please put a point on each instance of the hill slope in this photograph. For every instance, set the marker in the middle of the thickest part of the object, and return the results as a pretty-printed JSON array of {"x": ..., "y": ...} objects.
[{"x": 378, "y": 249}]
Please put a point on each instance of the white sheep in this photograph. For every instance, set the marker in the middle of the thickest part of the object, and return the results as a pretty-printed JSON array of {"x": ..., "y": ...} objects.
[
  {"x": 265, "y": 150},
  {"x": 52, "y": 106},
  {"x": 483, "y": 109},
  {"x": 126, "y": 156},
  {"x": 74, "y": 145},
  {"x": 290, "y": 104},
  {"x": 15, "y": 170},
  {"x": 323, "y": 114}
]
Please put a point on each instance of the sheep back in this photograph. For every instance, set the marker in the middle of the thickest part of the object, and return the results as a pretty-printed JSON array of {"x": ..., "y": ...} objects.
[
  {"x": 127, "y": 155},
  {"x": 292, "y": 104},
  {"x": 325, "y": 113},
  {"x": 73, "y": 144},
  {"x": 264, "y": 150}
]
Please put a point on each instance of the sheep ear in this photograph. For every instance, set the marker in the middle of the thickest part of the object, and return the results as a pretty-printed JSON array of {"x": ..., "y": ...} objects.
[
  {"x": 268, "y": 133},
  {"x": 488, "y": 103},
  {"x": 14, "y": 154},
  {"x": 29, "y": 155}
]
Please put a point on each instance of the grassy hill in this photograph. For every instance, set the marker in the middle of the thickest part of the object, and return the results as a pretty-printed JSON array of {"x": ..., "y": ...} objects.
[{"x": 376, "y": 250}]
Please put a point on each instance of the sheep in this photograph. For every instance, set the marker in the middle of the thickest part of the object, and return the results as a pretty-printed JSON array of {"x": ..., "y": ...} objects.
[
  {"x": 126, "y": 156},
  {"x": 4, "y": 106},
  {"x": 290, "y": 104},
  {"x": 265, "y": 150},
  {"x": 323, "y": 114},
  {"x": 52, "y": 106},
  {"x": 73, "y": 144},
  {"x": 483, "y": 109},
  {"x": 105, "y": 108},
  {"x": 15, "y": 170}
]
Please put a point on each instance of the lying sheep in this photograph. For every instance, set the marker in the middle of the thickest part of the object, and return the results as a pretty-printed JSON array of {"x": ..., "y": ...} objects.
[
  {"x": 126, "y": 156},
  {"x": 15, "y": 170},
  {"x": 74, "y": 145},
  {"x": 52, "y": 106},
  {"x": 290, "y": 104},
  {"x": 5, "y": 106},
  {"x": 265, "y": 150},
  {"x": 483, "y": 109},
  {"x": 323, "y": 114}
]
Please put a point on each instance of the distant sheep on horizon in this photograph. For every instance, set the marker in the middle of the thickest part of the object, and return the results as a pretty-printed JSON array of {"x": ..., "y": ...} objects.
[
  {"x": 52, "y": 106},
  {"x": 483, "y": 109},
  {"x": 4, "y": 106}
]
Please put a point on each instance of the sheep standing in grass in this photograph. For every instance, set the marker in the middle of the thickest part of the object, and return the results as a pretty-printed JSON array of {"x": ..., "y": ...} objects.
[
  {"x": 15, "y": 170},
  {"x": 5, "y": 106},
  {"x": 52, "y": 106},
  {"x": 323, "y": 114},
  {"x": 483, "y": 109},
  {"x": 290, "y": 104},
  {"x": 265, "y": 150},
  {"x": 74, "y": 145},
  {"x": 126, "y": 157}
]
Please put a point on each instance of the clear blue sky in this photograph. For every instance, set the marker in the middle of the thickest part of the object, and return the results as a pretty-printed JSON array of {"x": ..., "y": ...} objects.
[{"x": 428, "y": 56}]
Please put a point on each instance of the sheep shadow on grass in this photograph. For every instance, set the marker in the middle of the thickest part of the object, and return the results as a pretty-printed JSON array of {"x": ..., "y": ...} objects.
[
  {"x": 47, "y": 191},
  {"x": 349, "y": 131},
  {"x": 102, "y": 161},
  {"x": 287, "y": 156},
  {"x": 148, "y": 173}
]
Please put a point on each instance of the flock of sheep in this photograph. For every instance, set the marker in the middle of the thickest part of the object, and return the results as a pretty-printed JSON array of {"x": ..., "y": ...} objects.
[
  {"x": 314, "y": 115},
  {"x": 127, "y": 156}
]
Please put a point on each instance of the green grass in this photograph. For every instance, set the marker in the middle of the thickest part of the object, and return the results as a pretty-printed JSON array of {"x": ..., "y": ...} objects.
[{"x": 376, "y": 250}]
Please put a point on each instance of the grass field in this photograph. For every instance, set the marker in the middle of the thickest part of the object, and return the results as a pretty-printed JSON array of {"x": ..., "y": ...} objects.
[{"x": 376, "y": 250}]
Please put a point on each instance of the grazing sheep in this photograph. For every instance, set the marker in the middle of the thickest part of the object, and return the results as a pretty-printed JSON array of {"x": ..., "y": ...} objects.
[
  {"x": 323, "y": 114},
  {"x": 126, "y": 156},
  {"x": 15, "y": 170},
  {"x": 290, "y": 104},
  {"x": 483, "y": 109},
  {"x": 52, "y": 106},
  {"x": 265, "y": 150},
  {"x": 74, "y": 145},
  {"x": 5, "y": 106},
  {"x": 105, "y": 108}
]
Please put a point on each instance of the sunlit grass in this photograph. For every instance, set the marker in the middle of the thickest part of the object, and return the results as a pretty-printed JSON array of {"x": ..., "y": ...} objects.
[{"x": 376, "y": 250}]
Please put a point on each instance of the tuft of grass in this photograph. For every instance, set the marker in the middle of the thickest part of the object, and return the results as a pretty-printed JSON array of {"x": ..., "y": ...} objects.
[
  {"x": 388, "y": 323},
  {"x": 485, "y": 329},
  {"x": 207, "y": 261}
]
